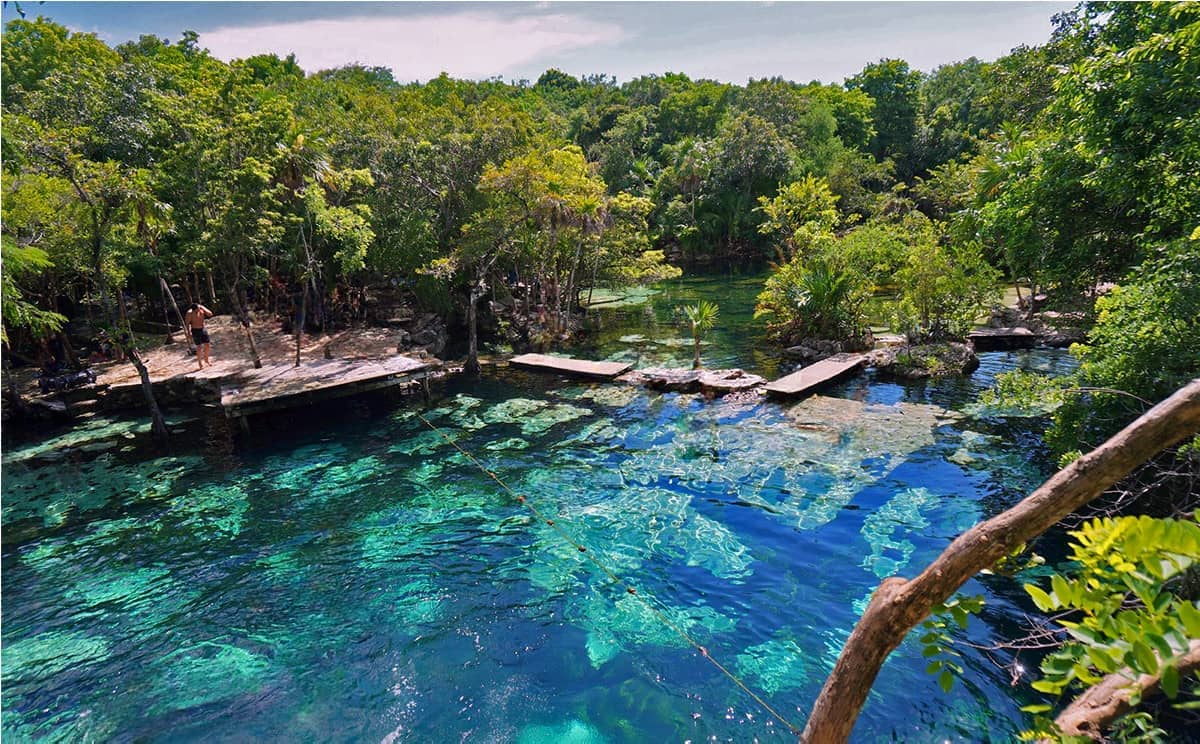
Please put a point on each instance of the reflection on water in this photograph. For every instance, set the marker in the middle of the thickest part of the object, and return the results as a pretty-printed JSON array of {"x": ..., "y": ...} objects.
[{"x": 361, "y": 579}]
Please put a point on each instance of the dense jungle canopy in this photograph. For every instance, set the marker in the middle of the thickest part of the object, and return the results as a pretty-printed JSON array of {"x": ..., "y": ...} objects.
[{"x": 1064, "y": 165}]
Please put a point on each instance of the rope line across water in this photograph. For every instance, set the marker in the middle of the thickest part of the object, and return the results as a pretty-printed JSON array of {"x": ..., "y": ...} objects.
[{"x": 629, "y": 589}]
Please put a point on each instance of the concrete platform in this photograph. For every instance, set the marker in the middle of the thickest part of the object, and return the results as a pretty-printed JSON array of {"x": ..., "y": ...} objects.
[
  {"x": 814, "y": 375},
  {"x": 283, "y": 385},
  {"x": 568, "y": 366}
]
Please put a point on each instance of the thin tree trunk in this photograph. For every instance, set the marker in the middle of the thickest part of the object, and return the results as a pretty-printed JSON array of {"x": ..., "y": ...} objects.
[
  {"x": 157, "y": 425},
  {"x": 235, "y": 297},
  {"x": 319, "y": 301},
  {"x": 170, "y": 338},
  {"x": 571, "y": 294},
  {"x": 472, "y": 365},
  {"x": 300, "y": 320},
  {"x": 696, "y": 340},
  {"x": 900, "y": 604},
  {"x": 595, "y": 270},
  {"x": 122, "y": 313},
  {"x": 72, "y": 358},
  {"x": 170, "y": 296},
  {"x": 212, "y": 289}
]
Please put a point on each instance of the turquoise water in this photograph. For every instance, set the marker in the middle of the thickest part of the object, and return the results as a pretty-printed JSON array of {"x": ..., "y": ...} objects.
[{"x": 350, "y": 576}]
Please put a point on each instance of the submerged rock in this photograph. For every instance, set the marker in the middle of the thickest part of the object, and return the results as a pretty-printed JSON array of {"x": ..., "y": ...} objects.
[
  {"x": 922, "y": 362},
  {"x": 570, "y": 732}
]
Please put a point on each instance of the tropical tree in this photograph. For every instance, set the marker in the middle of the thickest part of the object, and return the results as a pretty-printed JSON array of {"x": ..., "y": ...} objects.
[
  {"x": 803, "y": 214},
  {"x": 943, "y": 288},
  {"x": 895, "y": 88},
  {"x": 702, "y": 316},
  {"x": 819, "y": 297},
  {"x": 21, "y": 263}
]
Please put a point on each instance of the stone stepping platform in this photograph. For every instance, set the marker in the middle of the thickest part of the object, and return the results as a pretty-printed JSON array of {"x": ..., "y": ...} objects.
[
  {"x": 569, "y": 366},
  {"x": 814, "y": 375},
  {"x": 715, "y": 382}
]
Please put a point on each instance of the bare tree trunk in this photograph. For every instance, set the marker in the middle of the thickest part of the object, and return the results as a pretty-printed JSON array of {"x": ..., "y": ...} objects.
[
  {"x": 122, "y": 311},
  {"x": 98, "y": 268},
  {"x": 235, "y": 297},
  {"x": 170, "y": 296},
  {"x": 212, "y": 289},
  {"x": 595, "y": 269},
  {"x": 571, "y": 293},
  {"x": 170, "y": 336},
  {"x": 900, "y": 604},
  {"x": 157, "y": 424},
  {"x": 300, "y": 320},
  {"x": 472, "y": 365},
  {"x": 72, "y": 358}
]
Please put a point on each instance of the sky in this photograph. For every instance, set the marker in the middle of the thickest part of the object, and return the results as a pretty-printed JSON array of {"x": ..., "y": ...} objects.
[{"x": 726, "y": 41}]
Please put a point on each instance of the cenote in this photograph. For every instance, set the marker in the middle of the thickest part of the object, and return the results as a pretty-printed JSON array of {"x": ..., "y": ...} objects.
[{"x": 348, "y": 574}]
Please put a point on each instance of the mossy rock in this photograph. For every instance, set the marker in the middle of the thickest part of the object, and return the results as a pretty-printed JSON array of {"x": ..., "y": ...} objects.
[{"x": 923, "y": 362}]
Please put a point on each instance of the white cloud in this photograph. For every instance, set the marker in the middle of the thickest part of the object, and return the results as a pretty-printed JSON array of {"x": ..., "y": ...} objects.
[{"x": 465, "y": 45}]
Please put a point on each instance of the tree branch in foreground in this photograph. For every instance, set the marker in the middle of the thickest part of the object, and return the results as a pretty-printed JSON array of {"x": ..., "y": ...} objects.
[
  {"x": 1109, "y": 699},
  {"x": 899, "y": 604}
]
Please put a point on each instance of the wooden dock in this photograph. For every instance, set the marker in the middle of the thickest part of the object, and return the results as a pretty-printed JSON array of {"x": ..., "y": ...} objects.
[
  {"x": 814, "y": 375},
  {"x": 568, "y": 366},
  {"x": 284, "y": 385},
  {"x": 1002, "y": 339}
]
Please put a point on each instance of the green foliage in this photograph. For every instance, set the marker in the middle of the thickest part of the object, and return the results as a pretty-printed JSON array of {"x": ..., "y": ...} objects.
[
  {"x": 1021, "y": 393},
  {"x": 880, "y": 247},
  {"x": 1139, "y": 727},
  {"x": 937, "y": 639},
  {"x": 894, "y": 88},
  {"x": 1125, "y": 613},
  {"x": 20, "y": 262},
  {"x": 1129, "y": 108},
  {"x": 804, "y": 214},
  {"x": 943, "y": 288},
  {"x": 814, "y": 298},
  {"x": 852, "y": 110},
  {"x": 702, "y": 316},
  {"x": 1145, "y": 344}
]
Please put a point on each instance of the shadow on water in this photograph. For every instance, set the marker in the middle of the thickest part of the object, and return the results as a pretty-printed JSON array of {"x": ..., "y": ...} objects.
[{"x": 342, "y": 572}]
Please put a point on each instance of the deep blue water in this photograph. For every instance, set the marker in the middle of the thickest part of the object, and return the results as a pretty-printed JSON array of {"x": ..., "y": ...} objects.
[{"x": 351, "y": 576}]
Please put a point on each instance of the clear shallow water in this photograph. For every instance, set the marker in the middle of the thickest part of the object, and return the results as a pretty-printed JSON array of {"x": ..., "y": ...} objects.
[{"x": 356, "y": 578}]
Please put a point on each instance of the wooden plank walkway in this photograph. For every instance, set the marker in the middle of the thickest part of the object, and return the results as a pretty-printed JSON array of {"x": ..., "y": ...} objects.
[
  {"x": 276, "y": 386},
  {"x": 814, "y": 375},
  {"x": 993, "y": 339},
  {"x": 568, "y": 366}
]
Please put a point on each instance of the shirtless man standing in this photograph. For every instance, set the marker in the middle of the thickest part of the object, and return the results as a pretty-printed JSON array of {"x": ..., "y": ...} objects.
[{"x": 195, "y": 321}]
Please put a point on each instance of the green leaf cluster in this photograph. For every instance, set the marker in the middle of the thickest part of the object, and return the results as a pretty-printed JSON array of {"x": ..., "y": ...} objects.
[
  {"x": 937, "y": 639},
  {"x": 1125, "y": 614}
]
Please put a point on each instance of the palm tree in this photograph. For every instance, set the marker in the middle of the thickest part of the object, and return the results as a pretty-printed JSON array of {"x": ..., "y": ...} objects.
[{"x": 702, "y": 316}]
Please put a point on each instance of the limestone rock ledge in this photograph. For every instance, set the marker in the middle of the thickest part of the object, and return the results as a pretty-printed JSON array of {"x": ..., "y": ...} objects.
[{"x": 713, "y": 382}]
